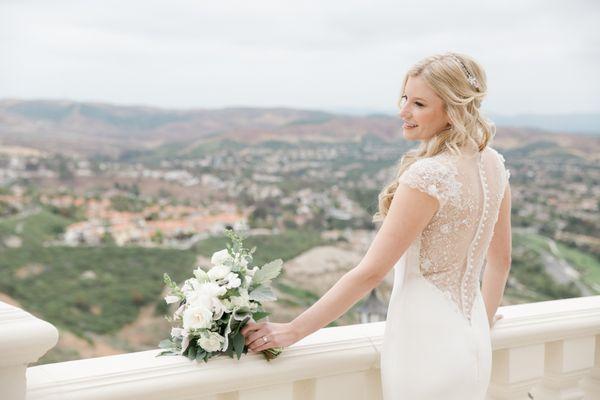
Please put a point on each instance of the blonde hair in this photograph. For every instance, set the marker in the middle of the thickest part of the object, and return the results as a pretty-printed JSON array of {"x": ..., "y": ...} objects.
[{"x": 446, "y": 75}]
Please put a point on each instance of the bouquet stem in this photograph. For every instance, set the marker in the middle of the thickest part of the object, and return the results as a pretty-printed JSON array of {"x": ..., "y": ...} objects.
[{"x": 272, "y": 353}]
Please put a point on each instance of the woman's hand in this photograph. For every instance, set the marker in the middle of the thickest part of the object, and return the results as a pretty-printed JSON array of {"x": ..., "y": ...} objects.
[{"x": 278, "y": 335}]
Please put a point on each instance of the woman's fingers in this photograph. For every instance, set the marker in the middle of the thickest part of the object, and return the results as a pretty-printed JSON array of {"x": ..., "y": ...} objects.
[
  {"x": 249, "y": 328},
  {"x": 254, "y": 336}
]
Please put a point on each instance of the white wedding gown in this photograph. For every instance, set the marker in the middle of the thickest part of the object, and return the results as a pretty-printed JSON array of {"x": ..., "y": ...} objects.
[{"x": 437, "y": 339}]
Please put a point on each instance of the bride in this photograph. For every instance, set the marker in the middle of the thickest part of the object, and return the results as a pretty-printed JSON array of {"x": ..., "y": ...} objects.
[{"x": 445, "y": 215}]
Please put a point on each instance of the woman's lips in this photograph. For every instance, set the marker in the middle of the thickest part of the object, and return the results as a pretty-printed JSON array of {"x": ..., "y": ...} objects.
[{"x": 409, "y": 126}]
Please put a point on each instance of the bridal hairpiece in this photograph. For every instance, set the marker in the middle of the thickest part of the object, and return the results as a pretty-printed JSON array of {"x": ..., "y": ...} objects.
[{"x": 470, "y": 77}]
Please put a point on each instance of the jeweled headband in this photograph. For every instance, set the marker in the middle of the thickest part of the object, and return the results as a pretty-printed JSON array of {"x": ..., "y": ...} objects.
[{"x": 470, "y": 77}]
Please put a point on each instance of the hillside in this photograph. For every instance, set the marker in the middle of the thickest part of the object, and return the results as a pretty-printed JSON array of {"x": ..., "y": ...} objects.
[{"x": 98, "y": 200}]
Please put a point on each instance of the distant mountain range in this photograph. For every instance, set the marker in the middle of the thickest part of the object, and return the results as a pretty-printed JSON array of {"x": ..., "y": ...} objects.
[
  {"x": 564, "y": 123},
  {"x": 99, "y": 128}
]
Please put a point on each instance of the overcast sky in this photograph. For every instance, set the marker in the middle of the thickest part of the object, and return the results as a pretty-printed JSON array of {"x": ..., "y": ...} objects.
[{"x": 540, "y": 56}]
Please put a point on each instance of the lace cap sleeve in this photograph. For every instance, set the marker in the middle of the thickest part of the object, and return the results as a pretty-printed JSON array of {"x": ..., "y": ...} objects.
[
  {"x": 433, "y": 177},
  {"x": 506, "y": 170}
]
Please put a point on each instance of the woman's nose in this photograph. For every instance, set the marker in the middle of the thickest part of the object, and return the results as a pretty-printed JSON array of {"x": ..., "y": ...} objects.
[{"x": 404, "y": 114}]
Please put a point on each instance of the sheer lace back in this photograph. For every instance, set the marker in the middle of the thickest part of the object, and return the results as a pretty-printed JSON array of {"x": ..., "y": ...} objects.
[{"x": 469, "y": 187}]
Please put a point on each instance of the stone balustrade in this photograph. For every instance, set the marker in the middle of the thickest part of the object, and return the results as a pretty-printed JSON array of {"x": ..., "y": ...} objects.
[{"x": 546, "y": 350}]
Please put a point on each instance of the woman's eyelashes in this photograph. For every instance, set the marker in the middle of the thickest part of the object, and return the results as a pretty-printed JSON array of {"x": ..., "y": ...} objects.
[{"x": 404, "y": 99}]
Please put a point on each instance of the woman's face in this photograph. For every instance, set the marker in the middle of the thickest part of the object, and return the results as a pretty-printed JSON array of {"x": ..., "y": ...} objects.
[{"x": 422, "y": 111}]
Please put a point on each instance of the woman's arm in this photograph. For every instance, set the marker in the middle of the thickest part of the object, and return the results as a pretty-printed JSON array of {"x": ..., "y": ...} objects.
[
  {"x": 498, "y": 259},
  {"x": 409, "y": 213}
]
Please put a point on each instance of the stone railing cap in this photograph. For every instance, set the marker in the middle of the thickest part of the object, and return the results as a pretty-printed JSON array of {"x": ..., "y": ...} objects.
[{"x": 23, "y": 337}]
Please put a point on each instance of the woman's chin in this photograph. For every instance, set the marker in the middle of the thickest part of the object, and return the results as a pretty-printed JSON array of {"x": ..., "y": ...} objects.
[{"x": 408, "y": 135}]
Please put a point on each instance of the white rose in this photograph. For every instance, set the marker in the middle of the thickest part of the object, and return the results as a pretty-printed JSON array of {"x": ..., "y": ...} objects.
[
  {"x": 171, "y": 299},
  {"x": 220, "y": 257},
  {"x": 233, "y": 281},
  {"x": 211, "y": 341},
  {"x": 205, "y": 294},
  {"x": 218, "y": 272},
  {"x": 198, "y": 298},
  {"x": 197, "y": 317},
  {"x": 212, "y": 289}
]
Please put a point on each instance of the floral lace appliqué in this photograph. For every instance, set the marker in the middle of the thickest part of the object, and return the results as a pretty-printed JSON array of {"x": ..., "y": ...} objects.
[{"x": 434, "y": 177}]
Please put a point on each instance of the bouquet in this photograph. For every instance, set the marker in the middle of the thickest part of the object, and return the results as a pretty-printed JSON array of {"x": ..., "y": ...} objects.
[{"x": 215, "y": 304}]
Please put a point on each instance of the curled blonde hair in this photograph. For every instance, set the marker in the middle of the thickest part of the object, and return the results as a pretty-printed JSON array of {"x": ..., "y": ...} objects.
[{"x": 446, "y": 75}]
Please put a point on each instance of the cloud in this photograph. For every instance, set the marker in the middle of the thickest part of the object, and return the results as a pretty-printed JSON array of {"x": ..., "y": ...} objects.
[{"x": 539, "y": 55}]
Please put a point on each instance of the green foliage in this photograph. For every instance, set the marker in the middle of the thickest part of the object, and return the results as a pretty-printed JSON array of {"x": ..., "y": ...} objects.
[
  {"x": 304, "y": 297},
  {"x": 123, "y": 280},
  {"x": 126, "y": 279},
  {"x": 36, "y": 228},
  {"x": 528, "y": 267},
  {"x": 7, "y": 209},
  {"x": 286, "y": 245}
]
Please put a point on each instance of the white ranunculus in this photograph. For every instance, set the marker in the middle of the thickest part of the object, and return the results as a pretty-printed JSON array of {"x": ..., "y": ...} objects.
[
  {"x": 252, "y": 271},
  {"x": 221, "y": 257},
  {"x": 197, "y": 317},
  {"x": 233, "y": 280},
  {"x": 211, "y": 341},
  {"x": 171, "y": 299},
  {"x": 218, "y": 272}
]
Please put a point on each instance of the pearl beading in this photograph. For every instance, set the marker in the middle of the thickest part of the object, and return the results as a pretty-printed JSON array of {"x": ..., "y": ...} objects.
[
  {"x": 466, "y": 307},
  {"x": 453, "y": 243}
]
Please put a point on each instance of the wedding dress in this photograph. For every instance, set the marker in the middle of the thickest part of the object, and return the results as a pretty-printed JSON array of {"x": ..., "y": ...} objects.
[{"x": 437, "y": 339}]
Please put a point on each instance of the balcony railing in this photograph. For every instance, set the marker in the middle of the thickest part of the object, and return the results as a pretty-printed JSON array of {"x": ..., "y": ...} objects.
[{"x": 546, "y": 350}]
